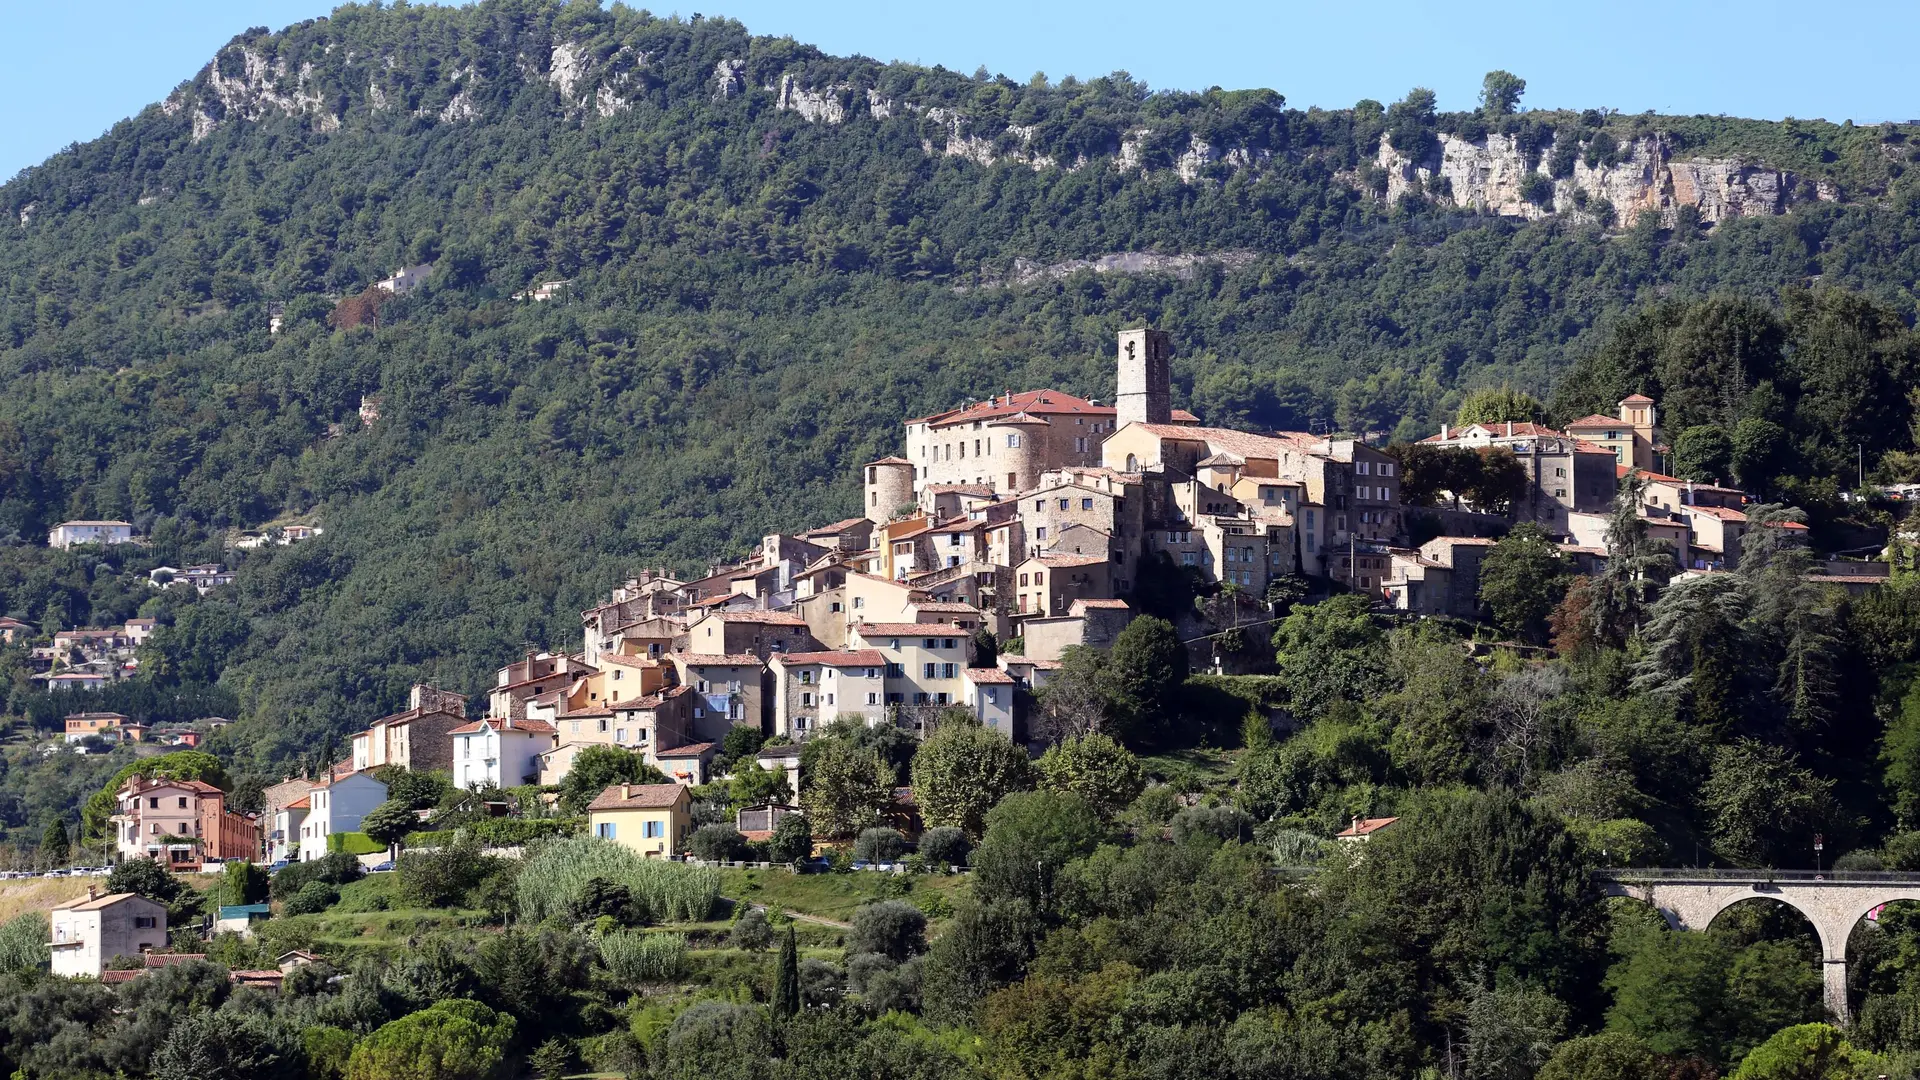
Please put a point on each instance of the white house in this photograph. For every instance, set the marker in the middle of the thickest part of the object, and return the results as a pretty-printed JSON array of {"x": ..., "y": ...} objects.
[
  {"x": 405, "y": 280},
  {"x": 988, "y": 693},
  {"x": 500, "y": 753},
  {"x": 88, "y": 934},
  {"x": 68, "y": 533},
  {"x": 283, "y": 841},
  {"x": 336, "y": 805}
]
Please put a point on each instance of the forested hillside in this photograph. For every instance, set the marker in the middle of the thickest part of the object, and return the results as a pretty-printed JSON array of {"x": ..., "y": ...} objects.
[{"x": 775, "y": 254}]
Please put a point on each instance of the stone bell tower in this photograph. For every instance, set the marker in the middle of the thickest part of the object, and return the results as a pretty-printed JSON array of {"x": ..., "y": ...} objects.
[{"x": 1145, "y": 393}]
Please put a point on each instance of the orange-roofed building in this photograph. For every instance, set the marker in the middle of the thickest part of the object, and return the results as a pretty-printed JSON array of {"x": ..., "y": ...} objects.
[{"x": 652, "y": 819}]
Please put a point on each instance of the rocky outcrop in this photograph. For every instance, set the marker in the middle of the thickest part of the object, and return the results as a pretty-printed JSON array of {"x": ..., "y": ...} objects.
[
  {"x": 729, "y": 78},
  {"x": 823, "y": 105},
  {"x": 243, "y": 83},
  {"x": 1494, "y": 175},
  {"x": 1028, "y": 272}
]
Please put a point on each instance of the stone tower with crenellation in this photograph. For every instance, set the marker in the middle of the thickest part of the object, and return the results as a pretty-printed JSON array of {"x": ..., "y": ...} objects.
[{"x": 1145, "y": 392}]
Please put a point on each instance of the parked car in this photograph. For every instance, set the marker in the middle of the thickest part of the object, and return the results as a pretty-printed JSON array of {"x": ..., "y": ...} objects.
[
  {"x": 279, "y": 865},
  {"x": 380, "y": 868}
]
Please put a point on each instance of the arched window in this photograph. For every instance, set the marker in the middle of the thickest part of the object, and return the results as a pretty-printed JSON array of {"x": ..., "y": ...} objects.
[{"x": 1133, "y": 463}]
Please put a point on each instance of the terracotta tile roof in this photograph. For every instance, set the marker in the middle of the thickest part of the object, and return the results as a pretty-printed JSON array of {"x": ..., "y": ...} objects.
[
  {"x": 983, "y": 675},
  {"x": 1183, "y": 416},
  {"x": 838, "y": 526},
  {"x": 896, "y": 460},
  {"x": 1016, "y": 419},
  {"x": 531, "y": 727},
  {"x": 623, "y": 660},
  {"x": 1244, "y": 443},
  {"x": 1037, "y": 402},
  {"x": 908, "y": 629},
  {"x": 841, "y": 658},
  {"x": 302, "y": 803},
  {"x": 775, "y": 618},
  {"x": 1118, "y": 604},
  {"x": 944, "y": 608},
  {"x": 961, "y": 489},
  {"x": 101, "y": 902},
  {"x": 1636, "y": 399},
  {"x": 717, "y": 659},
  {"x": 1597, "y": 420},
  {"x": 1721, "y": 512},
  {"x": 699, "y": 749},
  {"x": 1071, "y": 560},
  {"x": 1366, "y": 826},
  {"x": 637, "y": 797}
]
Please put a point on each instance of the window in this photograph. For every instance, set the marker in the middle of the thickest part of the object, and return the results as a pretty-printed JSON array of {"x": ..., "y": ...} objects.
[
  {"x": 1040, "y": 533},
  {"x": 1386, "y": 468},
  {"x": 656, "y": 830},
  {"x": 1039, "y": 505},
  {"x": 1063, "y": 504},
  {"x": 183, "y": 802},
  {"x": 1013, "y": 440},
  {"x": 931, "y": 643},
  {"x": 896, "y": 671},
  {"x": 699, "y": 713},
  {"x": 153, "y": 802},
  {"x": 1023, "y": 579},
  {"x": 1362, "y": 468},
  {"x": 859, "y": 602},
  {"x": 1086, "y": 504},
  {"x": 144, "y": 922},
  {"x": 940, "y": 698},
  {"x": 829, "y": 699},
  {"x": 603, "y": 725},
  {"x": 835, "y": 606},
  {"x": 931, "y": 668},
  {"x": 1559, "y": 472},
  {"x": 872, "y": 673},
  {"x": 1187, "y": 558},
  {"x": 806, "y": 700},
  {"x": 873, "y": 698},
  {"x": 806, "y": 678},
  {"x": 620, "y": 736},
  {"x": 948, "y": 671}
]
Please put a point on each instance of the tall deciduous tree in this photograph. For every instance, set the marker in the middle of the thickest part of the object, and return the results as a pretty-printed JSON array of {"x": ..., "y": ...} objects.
[
  {"x": 1522, "y": 579},
  {"x": 1097, "y": 769},
  {"x": 1148, "y": 666},
  {"x": 847, "y": 787},
  {"x": 1497, "y": 404},
  {"x": 962, "y": 771},
  {"x": 597, "y": 768}
]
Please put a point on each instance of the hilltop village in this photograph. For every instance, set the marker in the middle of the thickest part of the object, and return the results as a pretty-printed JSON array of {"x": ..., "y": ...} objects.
[{"x": 1007, "y": 530}]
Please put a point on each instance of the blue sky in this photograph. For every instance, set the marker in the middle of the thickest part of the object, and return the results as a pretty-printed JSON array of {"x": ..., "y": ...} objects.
[{"x": 71, "y": 69}]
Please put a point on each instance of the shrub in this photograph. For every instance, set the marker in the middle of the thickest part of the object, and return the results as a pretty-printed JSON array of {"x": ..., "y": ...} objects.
[
  {"x": 752, "y": 932},
  {"x": 635, "y": 958},
  {"x": 334, "y": 868},
  {"x": 313, "y": 898},
  {"x": 609, "y": 900},
  {"x": 879, "y": 845},
  {"x": 23, "y": 943},
  {"x": 502, "y": 831},
  {"x": 717, "y": 843},
  {"x": 1222, "y": 823},
  {"x": 456, "y": 1038},
  {"x": 443, "y": 877},
  {"x": 945, "y": 844},
  {"x": 556, "y": 874},
  {"x": 892, "y": 928},
  {"x": 792, "y": 839}
]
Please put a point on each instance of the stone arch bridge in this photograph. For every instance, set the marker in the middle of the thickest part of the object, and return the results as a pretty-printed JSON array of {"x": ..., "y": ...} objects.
[{"x": 1834, "y": 902}]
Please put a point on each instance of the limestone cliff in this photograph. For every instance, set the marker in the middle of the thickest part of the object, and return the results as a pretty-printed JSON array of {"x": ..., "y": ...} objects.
[
  {"x": 1494, "y": 175},
  {"x": 252, "y": 79}
]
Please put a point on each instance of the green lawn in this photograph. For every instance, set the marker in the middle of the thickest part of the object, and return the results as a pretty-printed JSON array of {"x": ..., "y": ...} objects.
[
  {"x": 835, "y": 896},
  {"x": 1207, "y": 764}
]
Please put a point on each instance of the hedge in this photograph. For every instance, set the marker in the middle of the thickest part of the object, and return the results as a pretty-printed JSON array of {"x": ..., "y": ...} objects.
[
  {"x": 501, "y": 832},
  {"x": 354, "y": 843}
]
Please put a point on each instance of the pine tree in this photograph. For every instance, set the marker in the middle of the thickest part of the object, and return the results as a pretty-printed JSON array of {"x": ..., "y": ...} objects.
[{"x": 786, "y": 978}]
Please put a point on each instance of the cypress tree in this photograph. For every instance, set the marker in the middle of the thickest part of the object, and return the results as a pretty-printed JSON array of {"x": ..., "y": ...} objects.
[{"x": 786, "y": 978}]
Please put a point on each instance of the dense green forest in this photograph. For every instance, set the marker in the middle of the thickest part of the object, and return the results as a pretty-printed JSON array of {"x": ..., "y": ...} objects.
[{"x": 757, "y": 300}]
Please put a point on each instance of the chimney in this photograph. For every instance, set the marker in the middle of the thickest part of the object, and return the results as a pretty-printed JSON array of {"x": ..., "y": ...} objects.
[
  {"x": 93, "y": 893},
  {"x": 626, "y": 792},
  {"x": 1509, "y": 429},
  {"x": 1443, "y": 433}
]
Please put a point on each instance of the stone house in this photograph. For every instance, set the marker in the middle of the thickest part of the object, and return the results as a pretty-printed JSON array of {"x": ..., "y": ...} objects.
[
  {"x": 812, "y": 689},
  {"x": 88, "y": 935}
]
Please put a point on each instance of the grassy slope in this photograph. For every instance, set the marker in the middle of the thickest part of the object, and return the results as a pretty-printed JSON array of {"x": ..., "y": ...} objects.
[{"x": 828, "y": 896}]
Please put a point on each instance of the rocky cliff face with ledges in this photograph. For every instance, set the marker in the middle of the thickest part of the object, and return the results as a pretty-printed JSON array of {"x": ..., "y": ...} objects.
[{"x": 1494, "y": 175}]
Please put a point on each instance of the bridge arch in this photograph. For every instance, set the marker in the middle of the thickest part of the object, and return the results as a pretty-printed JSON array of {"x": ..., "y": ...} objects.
[{"x": 1833, "y": 903}]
